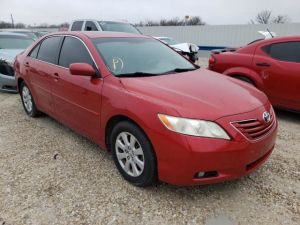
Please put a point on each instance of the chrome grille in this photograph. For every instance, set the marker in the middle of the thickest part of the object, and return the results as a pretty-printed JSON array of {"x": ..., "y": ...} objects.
[{"x": 255, "y": 129}]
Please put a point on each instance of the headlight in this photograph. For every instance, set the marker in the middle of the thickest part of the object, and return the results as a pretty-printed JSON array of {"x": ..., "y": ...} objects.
[{"x": 199, "y": 128}]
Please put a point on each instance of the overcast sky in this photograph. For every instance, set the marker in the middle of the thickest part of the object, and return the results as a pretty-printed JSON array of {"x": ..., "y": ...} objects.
[{"x": 211, "y": 11}]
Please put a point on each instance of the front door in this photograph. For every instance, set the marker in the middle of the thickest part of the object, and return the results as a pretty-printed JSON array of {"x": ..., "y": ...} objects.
[{"x": 77, "y": 99}]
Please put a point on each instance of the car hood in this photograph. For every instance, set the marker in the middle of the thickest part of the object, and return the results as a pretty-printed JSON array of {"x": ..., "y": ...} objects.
[
  {"x": 199, "y": 94},
  {"x": 9, "y": 54}
]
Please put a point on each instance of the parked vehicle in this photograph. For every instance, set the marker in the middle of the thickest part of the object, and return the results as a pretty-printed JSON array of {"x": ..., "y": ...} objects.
[
  {"x": 272, "y": 65},
  {"x": 188, "y": 49},
  {"x": 161, "y": 116},
  {"x": 29, "y": 33},
  {"x": 11, "y": 44},
  {"x": 94, "y": 25},
  {"x": 39, "y": 34}
]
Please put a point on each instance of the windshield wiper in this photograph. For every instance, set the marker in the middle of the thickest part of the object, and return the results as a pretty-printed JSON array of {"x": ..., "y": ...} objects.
[
  {"x": 137, "y": 74},
  {"x": 181, "y": 70}
]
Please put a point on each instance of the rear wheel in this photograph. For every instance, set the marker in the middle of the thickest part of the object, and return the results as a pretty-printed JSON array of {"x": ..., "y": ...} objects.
[
  {"x": 133, "y": 154},
  {"x": 27, "y": 101}
]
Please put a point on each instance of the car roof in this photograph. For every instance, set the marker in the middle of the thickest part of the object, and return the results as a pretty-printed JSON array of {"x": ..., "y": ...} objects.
[
  {"x": 2, "y": 33},
  {"x": 278, "y": 39},
  {"x": 99, "y": 34},
  {"x": 16, "y": 30},
  {"x": 104, "y": 21}
]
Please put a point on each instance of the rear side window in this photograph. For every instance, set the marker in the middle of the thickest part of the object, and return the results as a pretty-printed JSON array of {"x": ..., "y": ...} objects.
[
  {"x": 34, "y": 52},
  {"x": 77, "y": 26},
  {"x": 73, "y": 51},
  {"x": 90, "y": 26},
  {"x": 286, "y": 51},
  {"x": 49, "y": 49}
]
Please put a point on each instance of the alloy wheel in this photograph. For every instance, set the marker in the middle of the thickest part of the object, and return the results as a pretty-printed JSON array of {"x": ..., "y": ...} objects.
[
  {"x": 130, "y": 154},
  {"x": 27, "y": 99}
]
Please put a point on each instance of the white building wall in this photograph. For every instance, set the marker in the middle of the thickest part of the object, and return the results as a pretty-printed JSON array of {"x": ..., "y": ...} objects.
[{"x": 220, "y": 35}]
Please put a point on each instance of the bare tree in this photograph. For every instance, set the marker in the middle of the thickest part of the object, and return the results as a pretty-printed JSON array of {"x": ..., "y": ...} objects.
[
  {"x": 191, "y": 21},
  {"x": 280, "y": 19},
  {"x": 195, "y": 20},
  {"x": 265, "y": 17}
]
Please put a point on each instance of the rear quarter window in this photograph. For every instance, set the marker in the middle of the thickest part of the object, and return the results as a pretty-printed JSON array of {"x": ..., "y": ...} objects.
[
  {"x": 285, "y": 51},
  {"x": 76, "y": 26},
  {"x": 34, "y": 52}
]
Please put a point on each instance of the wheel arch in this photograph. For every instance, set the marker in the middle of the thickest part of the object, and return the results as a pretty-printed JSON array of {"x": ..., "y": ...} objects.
[
  {"x": 20, "y": 80},
  {"x": 115, "y": 119},
  {"x": 247, "y": 73}
]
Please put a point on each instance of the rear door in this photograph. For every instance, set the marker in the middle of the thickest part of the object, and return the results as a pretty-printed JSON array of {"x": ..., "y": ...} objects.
[
  {"x": 40, "y": 66},
  {"x": 77, "y": 99},
  {"x": 279, "y": 66}
]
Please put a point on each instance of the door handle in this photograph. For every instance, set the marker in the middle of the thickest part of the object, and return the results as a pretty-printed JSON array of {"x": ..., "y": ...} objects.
[
  {"x": 262, "y": 64},
  {"x": 56, "y": 76}
]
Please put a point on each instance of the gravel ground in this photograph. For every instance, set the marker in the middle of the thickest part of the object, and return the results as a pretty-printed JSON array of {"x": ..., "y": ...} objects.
[{"x": 51, "y": 175}]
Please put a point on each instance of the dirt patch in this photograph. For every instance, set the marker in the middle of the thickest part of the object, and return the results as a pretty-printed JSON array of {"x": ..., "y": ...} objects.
[{"x": 51, "y": 175}]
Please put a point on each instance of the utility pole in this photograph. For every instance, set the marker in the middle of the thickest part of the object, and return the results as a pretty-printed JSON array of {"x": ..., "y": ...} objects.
[{"x": 12, "y": 21}]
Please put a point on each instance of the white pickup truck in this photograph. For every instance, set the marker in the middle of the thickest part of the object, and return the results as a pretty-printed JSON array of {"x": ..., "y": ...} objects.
[{"x": 95, "y": 25}]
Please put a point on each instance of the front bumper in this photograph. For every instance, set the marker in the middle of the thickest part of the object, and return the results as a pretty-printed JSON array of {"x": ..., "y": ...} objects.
[
  {"x": 8, "y": 83},
  {"x": 180, "y": 160}
]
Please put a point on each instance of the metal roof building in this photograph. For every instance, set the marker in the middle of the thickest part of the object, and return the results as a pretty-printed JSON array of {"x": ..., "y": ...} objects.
[{"x": 218, "y": 36}]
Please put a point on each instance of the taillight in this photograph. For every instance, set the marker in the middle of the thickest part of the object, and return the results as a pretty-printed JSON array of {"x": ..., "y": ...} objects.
[{"x": 212, "y": 61}]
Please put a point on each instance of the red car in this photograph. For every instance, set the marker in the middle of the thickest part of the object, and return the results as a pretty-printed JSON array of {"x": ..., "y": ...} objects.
[
  {"x": 272, "y": 65},
  {"x": 162, "y": 117}
]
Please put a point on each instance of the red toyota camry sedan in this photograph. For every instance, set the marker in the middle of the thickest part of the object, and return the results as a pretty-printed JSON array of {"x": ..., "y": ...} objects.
[
  {"x": 272, "y": 65},
  {"x": 162, "y": 117}
]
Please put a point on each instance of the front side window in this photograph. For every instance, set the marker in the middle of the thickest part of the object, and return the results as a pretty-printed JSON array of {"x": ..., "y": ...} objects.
[
  {"x": 14, "y": 42},
  {"x": 49, "y": 49},
  {"x": 90, "y": 26},
  {"x": 118, "y": 27},
  {"x": 286, "y": 51},
  {"x": 76, "y": 26},
  {"x": 140, "y": 56},
  {"x": 73, "y": 51}
]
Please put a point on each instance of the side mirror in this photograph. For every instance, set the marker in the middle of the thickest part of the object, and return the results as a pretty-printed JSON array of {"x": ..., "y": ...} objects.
[{"x": 82, "y": 69}]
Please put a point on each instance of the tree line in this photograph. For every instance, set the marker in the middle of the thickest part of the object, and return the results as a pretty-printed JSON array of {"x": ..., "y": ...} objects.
[{"x": 263, "y": 17}]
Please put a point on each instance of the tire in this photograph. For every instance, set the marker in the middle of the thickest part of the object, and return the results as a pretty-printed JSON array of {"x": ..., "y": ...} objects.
[
  {"x": 27, "y": 101},
  {"x": 133, "y": 154},
  {"x": 245, "y": 79}
]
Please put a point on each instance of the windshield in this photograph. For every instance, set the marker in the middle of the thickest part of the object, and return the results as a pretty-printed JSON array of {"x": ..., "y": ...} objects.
[
  {"x": 169, "y": 41},
  {"x": 118, "y": 27},
  {"x": 14, "y": 42},
  {"x": 140, "y": 56}
]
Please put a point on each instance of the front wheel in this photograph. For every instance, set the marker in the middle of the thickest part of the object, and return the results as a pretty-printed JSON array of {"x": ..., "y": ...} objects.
[
  {"x": 133, "y": 154},
  {"x": 27, "y": 101}
]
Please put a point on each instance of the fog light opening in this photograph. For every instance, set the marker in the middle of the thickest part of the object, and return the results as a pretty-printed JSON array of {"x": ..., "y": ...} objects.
[{"x": 207, "y": 174}]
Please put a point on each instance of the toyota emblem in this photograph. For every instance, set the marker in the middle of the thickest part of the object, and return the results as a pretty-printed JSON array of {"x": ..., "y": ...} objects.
[{"x": 266, "y": 117}]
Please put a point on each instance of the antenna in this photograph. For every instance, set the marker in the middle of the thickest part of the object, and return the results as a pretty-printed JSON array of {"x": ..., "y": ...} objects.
[
  {"x": 270, "y": 32},
  {"x": 12, "y": 21}
]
